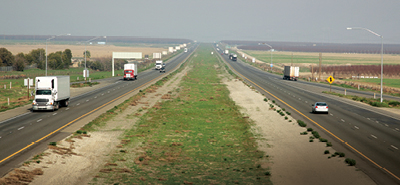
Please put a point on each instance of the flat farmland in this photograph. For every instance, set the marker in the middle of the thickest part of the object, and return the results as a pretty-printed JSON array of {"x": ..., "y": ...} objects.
[
  {"x": 309, "y": 58},
  {"x": 77, "y": 50}
]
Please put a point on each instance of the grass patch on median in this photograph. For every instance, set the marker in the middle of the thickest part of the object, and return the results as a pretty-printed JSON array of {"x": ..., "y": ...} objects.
[{"x": 197, "y": 136}]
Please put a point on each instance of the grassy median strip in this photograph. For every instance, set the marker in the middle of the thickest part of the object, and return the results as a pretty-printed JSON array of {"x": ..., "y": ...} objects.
[{"x": 198, "y": 136}]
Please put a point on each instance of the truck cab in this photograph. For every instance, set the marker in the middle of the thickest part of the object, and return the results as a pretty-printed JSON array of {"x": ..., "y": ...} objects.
[
  {"x": 159, "y": 64},
  {"x": 51, "y": 92}
]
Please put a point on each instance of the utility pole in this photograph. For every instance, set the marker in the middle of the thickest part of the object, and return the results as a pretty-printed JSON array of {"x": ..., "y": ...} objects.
[{"x": 320, "y": 63}]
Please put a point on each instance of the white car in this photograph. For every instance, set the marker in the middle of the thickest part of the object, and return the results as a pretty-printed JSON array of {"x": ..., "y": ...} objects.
[{"x": 320, "y": 107}]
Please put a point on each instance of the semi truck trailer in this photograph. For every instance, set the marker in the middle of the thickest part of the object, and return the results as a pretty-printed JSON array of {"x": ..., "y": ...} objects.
[
  {"x": 51, "y": 92},
  {"x": 291, "y": 73}
]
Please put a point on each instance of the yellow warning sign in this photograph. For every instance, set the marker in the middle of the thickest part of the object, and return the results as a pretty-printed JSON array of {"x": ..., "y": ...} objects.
[{"x": 330, "y": 79}]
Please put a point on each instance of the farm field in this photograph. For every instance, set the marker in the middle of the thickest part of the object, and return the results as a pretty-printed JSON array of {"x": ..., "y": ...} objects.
[
  {"x": 304, "y": 60},
  {"x": 77, "y": 50},
  {"x": 327, "y": 58}
]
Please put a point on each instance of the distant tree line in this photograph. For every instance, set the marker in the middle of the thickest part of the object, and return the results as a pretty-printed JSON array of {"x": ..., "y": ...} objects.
[{"x": 57, "y": 60}]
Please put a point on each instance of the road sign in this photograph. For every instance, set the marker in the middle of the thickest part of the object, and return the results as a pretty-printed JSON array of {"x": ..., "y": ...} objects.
[{"x": 330, "y": 79}]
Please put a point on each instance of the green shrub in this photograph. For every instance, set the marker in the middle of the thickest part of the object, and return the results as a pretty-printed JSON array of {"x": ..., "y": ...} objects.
[
  {"x": 326, "y": 152},
  {"x": 341, "y": 154},
  {"x": 53, "y": 143},
  {"x": 309, "y": 129},
  {"x": 282, "y": 114},
  {"x": 265, "y": 99},
  {"x": 349, "y": 161},
  {"x": 311, "y": 140},
  {"x": 273, "y": 101},
  {"x": 283, "y": 109},
  {"x": 315, "y": 134},
  {"x": 286, "y": 118},
  {"x": 394, "y": 103},
  {"x": 328, "y": 144},
  {"x": 323, "y": 139},
  {"x": 288, "y": 113},
  {"x": 303, "y": 133},
  {"x": 301, "y": 123}
]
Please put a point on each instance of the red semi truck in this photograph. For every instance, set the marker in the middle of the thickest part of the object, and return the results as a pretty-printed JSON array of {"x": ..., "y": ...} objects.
[{"x": 130, "y": 71}]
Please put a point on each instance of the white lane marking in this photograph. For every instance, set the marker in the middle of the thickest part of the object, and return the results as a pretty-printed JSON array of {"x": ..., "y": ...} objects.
[
  {"x": 374, "y": 136},
  {"x": 331, "y": 114},
  {"x": 54, "y": 114},
  {"x": 386, "y": 125},
  {"x": 394, "y": 147},
  {"x": 102, "y": 94},
  {"x": 95, "y": 97},
  {"x": 15, "y": 117},
  {"x": 78, "y": 104},
  {"x": 39, "y": 120},
  {"x": 342, "y": 120},
  {"x": 356, "y": 127},
  {"x": 377, "y": 121},
  {"x": 87, "y": 100},
  {"x": 66, "y": 108},
  {"x": 306, "y": 102},
  {"x": 20, "y": 128},
  {"x": 368, "y": 119},
  {"x": 108, "y": 92},
  {"x": 397, "y": 129}
]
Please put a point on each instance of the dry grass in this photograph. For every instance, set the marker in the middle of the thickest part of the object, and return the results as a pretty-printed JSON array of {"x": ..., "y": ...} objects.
[
  {"x": 77, "y": 50},
  {"x": 19, "y": 176}
]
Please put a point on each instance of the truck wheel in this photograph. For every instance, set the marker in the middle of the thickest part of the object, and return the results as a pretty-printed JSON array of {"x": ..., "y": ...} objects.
[{"x": 66, "y": 103}]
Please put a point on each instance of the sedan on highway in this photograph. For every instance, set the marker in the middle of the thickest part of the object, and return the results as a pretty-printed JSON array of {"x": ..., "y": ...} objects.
[{"x": 320, "y": 107}]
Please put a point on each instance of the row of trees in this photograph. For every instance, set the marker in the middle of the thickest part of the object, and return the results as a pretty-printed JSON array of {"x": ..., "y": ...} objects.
[{"x": 57, "y": 60}]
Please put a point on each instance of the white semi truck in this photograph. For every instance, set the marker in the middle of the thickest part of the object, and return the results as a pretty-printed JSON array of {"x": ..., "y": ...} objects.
[
  {"x": 291, "y": 73},
  {"x": 51, "y": 92},
  {"x": 130, "y": 71},
  {"x": 226, "y": 52},
  {"x": 159, "y": 64}
]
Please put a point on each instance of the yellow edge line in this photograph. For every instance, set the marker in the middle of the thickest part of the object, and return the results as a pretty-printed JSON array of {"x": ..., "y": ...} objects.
[
  {"x": 373, "y": 162},
  {"x": 19, "y": 151}
]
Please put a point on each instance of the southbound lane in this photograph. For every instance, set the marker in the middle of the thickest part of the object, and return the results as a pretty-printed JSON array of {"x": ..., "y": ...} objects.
[
  {"x": 22, "y": 133},
  {"x": 373, "y": 133}
]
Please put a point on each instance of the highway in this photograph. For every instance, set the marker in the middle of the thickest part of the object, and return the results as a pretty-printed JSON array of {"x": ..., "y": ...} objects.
[
  {"x": 21, "y": 136},
  {"x": 365, "y": 133}
]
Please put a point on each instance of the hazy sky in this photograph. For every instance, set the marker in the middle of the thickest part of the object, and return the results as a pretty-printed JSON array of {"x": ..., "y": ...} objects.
[{"x": 207, "y": 20}]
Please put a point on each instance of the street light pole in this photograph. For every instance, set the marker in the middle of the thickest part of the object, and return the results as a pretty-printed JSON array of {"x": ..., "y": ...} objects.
[
  {"x": 52, "y": 37},
  {"x": 270, "y": 50},
  {"x": 359, "y": 28}
]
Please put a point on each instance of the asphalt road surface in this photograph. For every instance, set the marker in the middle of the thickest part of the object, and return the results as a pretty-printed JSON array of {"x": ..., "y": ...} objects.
[
  {"x": 28, "y": 134},
  {"x": 365, "y": 133}
]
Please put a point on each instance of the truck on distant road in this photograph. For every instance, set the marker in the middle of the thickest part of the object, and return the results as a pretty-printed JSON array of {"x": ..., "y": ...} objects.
[
  {"x": 130, "y": 71},
  {"x": 162, "y": 70},
  {"x": 159, "y": 64},
  {"x": 234, "y": 57},
  {"x": 291, "y": 73},
  {"x": 51, "y": 92},
  {"x": 226, "y": 52}
]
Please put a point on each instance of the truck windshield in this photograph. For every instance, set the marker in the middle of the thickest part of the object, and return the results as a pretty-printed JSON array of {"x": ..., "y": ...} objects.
[
  {"x": 43, "y": 92},
  {"x": 128, "y": 71}
]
